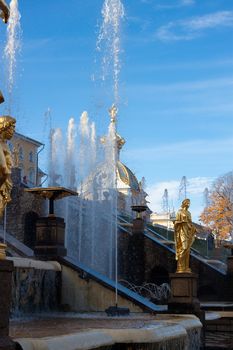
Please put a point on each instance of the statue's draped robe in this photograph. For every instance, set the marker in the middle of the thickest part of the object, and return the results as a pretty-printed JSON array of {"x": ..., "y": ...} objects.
[{"x": 184, "y": 233}]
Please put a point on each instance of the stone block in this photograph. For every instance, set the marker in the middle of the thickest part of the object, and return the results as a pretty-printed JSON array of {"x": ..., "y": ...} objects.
[{"x": 183, "y": 293}]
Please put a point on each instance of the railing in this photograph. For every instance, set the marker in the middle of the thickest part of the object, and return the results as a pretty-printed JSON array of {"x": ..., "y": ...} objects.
[{"x": 216, "y": 263}]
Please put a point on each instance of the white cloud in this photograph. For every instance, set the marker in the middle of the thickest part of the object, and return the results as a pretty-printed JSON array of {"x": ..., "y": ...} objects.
[
  {"x": 182, "y": 149},
  {"x": 195, "y": 85},
  {"x": 194, "y": 27},
  {"x": 195, "y": 189},
  {"x": 188, "y": 2},
  {"x": 172, "y": 5}
]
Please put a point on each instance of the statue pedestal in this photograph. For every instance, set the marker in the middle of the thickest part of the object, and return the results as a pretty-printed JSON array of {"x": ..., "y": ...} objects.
[
  {"x": 6, "y": 269},
  {"x": 230, "y": 265},
  {"x": 183, "y": 293},
  {"x": 50, "y": 238}
]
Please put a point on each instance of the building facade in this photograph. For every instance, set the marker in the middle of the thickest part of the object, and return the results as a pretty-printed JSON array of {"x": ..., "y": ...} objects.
[{"x": 25, "y": 152}]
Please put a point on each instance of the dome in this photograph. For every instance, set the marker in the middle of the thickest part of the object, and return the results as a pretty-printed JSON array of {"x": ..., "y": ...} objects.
[{"x": 127, "y": 177}]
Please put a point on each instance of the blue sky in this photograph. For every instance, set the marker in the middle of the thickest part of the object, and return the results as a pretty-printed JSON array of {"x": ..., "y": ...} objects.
[{"x": 176, "y": 84}]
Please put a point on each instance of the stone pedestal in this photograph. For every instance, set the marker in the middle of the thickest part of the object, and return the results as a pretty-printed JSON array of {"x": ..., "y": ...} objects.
[
  {"x": 6, "y": 268},
  {"x": 50, "y": 238},
  {"x": 183, "y": 293},
  {"x": 138, "y": 226}
]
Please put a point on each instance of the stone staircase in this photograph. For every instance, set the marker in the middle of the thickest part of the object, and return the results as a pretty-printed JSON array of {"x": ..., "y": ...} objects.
[{"x": 218, "y": 325}]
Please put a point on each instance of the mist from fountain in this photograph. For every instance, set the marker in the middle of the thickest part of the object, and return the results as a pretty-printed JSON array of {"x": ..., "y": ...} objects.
[
  {"x": 85, "y": 165},
  {"x": 88, "y": 165},
  {"x": 12, "y": 49},
  {"x": 54, "y": 161}
]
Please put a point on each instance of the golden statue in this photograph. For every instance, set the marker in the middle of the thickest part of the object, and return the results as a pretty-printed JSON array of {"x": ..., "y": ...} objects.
[
  {"x": 184, "y": 236},
  {"x": 7, "y": 128},
  {"x": 5, "y": 12}
]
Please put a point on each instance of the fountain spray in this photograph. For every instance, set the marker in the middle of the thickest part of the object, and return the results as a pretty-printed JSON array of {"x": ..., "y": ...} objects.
[
  {"x": 13, "y": 47},
  {"x": 108, "y": 44}
]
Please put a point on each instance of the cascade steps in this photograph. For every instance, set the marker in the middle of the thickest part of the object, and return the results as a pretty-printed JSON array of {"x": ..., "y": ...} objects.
[{"x": 218, "y": 325}]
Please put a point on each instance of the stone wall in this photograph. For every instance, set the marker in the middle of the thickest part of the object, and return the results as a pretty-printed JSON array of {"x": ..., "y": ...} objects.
[
  {"x": 159, "y": 261},
  {"x": 23, "y": 204},
  {"x": 86, "y": 295}
]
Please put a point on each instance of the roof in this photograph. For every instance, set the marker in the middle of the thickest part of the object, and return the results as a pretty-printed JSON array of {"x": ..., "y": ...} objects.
[
  {"x": 127, "y": 177},
  {"x": 28, "y": 139}
]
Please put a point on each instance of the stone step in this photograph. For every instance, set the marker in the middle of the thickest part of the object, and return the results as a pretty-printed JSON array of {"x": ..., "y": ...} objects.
[
  {"x": 217, "y": 306},
  {"x": 219, "y": 329},
  {"x": 218, "y": 340}
]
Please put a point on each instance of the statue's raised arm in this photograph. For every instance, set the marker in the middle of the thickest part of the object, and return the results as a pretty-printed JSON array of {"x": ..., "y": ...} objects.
[{"x": 5, "y": 12}]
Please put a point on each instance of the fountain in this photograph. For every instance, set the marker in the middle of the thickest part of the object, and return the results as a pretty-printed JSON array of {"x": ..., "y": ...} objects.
[
  {"x": 90, "y": 218},
  {"x": 88, "y": 165},
  {"x": 4, "y": 14},
  {"x": 12, "y": 49}
]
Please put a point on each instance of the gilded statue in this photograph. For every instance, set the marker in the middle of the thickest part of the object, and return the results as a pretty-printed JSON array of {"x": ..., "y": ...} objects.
[
  {"x": 5, "y": 12},
  {"x": 7, "y": 128},
  {"x": 184, "y": 236}
]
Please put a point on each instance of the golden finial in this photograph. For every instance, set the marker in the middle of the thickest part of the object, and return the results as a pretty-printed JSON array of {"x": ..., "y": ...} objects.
[{"x": 113, "y": 113}]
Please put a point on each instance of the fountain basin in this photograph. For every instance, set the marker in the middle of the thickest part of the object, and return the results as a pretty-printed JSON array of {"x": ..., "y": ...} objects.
[
  {"x": 35, "y": 286},
  {"x": 35, "y": 264},
  {"x": 95, "y": 331}
]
